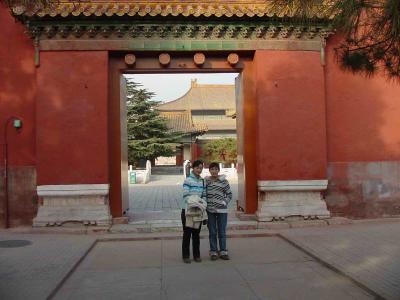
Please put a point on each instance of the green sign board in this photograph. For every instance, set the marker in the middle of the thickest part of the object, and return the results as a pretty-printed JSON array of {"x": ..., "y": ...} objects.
[{"x": 132, "y": 177}]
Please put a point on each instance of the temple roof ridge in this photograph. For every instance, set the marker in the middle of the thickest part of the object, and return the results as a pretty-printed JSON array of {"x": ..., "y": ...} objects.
[{"x": 203, "y": 97}]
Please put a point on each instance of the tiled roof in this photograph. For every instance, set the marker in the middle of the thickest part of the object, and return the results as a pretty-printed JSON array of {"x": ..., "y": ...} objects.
[
  {"x": 163, "y": 8},
  {"x": 181, "y": 121},
  {"x": 203, "y": 97},
  {"x": 225, "y": 124}
]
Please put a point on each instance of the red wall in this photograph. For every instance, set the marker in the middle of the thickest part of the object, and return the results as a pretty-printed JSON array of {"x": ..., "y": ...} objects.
[
  {"x": 17, "y": 98},
  {"x": 305, "y": 117},
  {"x": 363, "y": 127},
  {"x": 17, "y": 89},
  {"x": 291, "y": 134},
  {"x": 72, "y": 143},
  {"x": 363, "y": 114}
]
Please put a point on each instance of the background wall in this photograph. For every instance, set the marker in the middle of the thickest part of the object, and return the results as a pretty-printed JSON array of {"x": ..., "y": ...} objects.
[
  {"x": 311, "y": 124},
  {"x": 291, "y": 132},
  {"x": 363, "y": 128},
  {"x": 71, "y": 118},
  {"x": 17, "y": 98}
]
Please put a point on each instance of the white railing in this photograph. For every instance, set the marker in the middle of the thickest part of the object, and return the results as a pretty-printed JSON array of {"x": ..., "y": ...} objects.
[
  {"x": 230, "y": 173},
  {"x": 139, "y": 175}
]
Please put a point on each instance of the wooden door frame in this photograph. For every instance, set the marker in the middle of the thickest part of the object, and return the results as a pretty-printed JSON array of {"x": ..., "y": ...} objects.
[{"x": 147, "y": 62}]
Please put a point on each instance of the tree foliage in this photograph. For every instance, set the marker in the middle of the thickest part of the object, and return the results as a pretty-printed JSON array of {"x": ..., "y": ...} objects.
[
  {"x": 371, "y": 30},
  {"x": 148, "y": 134},
  {"x": 221, "y": 150},
  {"x": 29, "y": 4}
]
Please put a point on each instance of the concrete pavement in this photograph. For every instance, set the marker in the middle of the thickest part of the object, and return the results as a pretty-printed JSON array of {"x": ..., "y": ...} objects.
[
  {"x": 365, "y": 251},
  {"x": 265, "y": 264},
  {"x": 261, "y": 268},
  {"x": 34, "y": 271}
]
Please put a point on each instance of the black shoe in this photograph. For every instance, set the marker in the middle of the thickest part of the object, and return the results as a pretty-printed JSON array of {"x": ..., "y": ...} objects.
[
  {"x": 187, "y": 260},
  {"x": 214, "y": 257},
  {"x": 197, "y": 259},
  {"x": 225, "y": 257}
]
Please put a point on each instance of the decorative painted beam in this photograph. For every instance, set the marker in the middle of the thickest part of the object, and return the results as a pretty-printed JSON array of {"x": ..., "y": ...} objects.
[
  {"x": 167, "y": 31},
  {"x": 130, "y": 59},
  {"x": 233, "y": 58},
  {"x": 199, "y": 59},
  {"x": 172, "y": 36}
]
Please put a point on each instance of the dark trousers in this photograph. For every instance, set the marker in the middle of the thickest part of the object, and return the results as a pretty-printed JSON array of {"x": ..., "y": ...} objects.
[{"x": 187, "y": 233}]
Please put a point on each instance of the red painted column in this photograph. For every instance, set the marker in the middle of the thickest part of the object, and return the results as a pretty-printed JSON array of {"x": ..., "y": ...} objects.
[
  {"x": 179, "y": 159},
  {"x": 291, "y": 128},
  {"x": 71, "y": 118},
  {"x": 199, "y": 150},
  {"x": 194, "y": 149}
]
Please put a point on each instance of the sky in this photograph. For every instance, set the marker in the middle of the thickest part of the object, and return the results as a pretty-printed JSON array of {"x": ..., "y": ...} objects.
[{"x": 168, "y": 87}]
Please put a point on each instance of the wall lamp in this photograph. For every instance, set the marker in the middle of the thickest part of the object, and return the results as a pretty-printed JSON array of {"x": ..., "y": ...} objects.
[{"x": 17, "y": 124}]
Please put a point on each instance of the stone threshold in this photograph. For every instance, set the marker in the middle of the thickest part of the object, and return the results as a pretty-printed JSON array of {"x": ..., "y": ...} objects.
[
  {"x": 160, "y": 228},
  {"x": 173, "y": 225}
]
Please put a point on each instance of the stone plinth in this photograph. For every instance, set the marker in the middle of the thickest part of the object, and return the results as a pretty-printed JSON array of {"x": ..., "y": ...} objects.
[
  {"x": 86, "y": 203},
  {"x": 278, "y": 200}
]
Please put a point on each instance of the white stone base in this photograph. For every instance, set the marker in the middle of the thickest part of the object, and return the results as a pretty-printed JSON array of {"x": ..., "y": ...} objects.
[
  {"x": 278, "y": 200},
  {"x": 87, "y": 204}
]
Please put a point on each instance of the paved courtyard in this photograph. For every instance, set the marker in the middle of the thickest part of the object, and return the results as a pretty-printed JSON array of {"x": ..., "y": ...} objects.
[
  {"x": 261, "y": 268},
  {"x": 33, "y": 271},
  {"x": 160, "y": 199},
  {"x": 354, "y": 261},
  {"x": 367, "y": 252}
]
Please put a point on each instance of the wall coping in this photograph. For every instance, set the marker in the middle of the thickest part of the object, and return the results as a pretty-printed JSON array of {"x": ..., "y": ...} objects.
[
  {"x": 292, "y": 185},
  {"x": 73, "y": 190}
]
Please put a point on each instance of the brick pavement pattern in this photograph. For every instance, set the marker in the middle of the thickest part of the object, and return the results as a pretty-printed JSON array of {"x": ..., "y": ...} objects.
[
  {"x": 160, "y": 198},
  {"x": 367, "y": 252}
]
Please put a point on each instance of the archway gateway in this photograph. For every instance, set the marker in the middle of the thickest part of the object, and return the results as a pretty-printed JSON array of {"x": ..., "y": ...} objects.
[
  {"x": 81, "y": 51},
  {"x": 181, "y": 62}
]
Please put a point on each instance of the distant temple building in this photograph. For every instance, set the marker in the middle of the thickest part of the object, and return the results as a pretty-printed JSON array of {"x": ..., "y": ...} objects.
[{"x": 204, "y": 113}]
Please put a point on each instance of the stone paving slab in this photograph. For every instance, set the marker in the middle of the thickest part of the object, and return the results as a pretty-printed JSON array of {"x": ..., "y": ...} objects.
[
  {"x": 161, "y": 197},
  {"x": 33, "y": 271},
  {"x": 261, "y": 268},
  {"x": 366, "y": 252}
]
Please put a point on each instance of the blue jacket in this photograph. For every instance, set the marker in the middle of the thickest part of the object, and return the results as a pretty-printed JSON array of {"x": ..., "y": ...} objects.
[{"x": 193, "y": 186}]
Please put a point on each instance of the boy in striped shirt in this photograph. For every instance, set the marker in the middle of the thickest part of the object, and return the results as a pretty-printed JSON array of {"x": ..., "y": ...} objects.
[{"x": 219, "y": 194}]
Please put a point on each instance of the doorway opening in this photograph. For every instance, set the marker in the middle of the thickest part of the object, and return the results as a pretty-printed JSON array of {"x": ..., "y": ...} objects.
[
  {"x": 174, "y": 119},
  {"x": 123, "y": 64}
]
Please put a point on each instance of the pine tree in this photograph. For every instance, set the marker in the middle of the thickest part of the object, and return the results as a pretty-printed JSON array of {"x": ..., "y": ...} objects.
[
  {"x": 29, "y": 4},
  {"x": 371, "y": 30},
  {"x": 148, "y": 134}
]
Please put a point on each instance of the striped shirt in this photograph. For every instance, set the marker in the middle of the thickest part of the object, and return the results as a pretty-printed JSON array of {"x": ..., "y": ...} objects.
[
  {"x": 193, "y": 186},
  {"x": 219, "y": 194}
]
